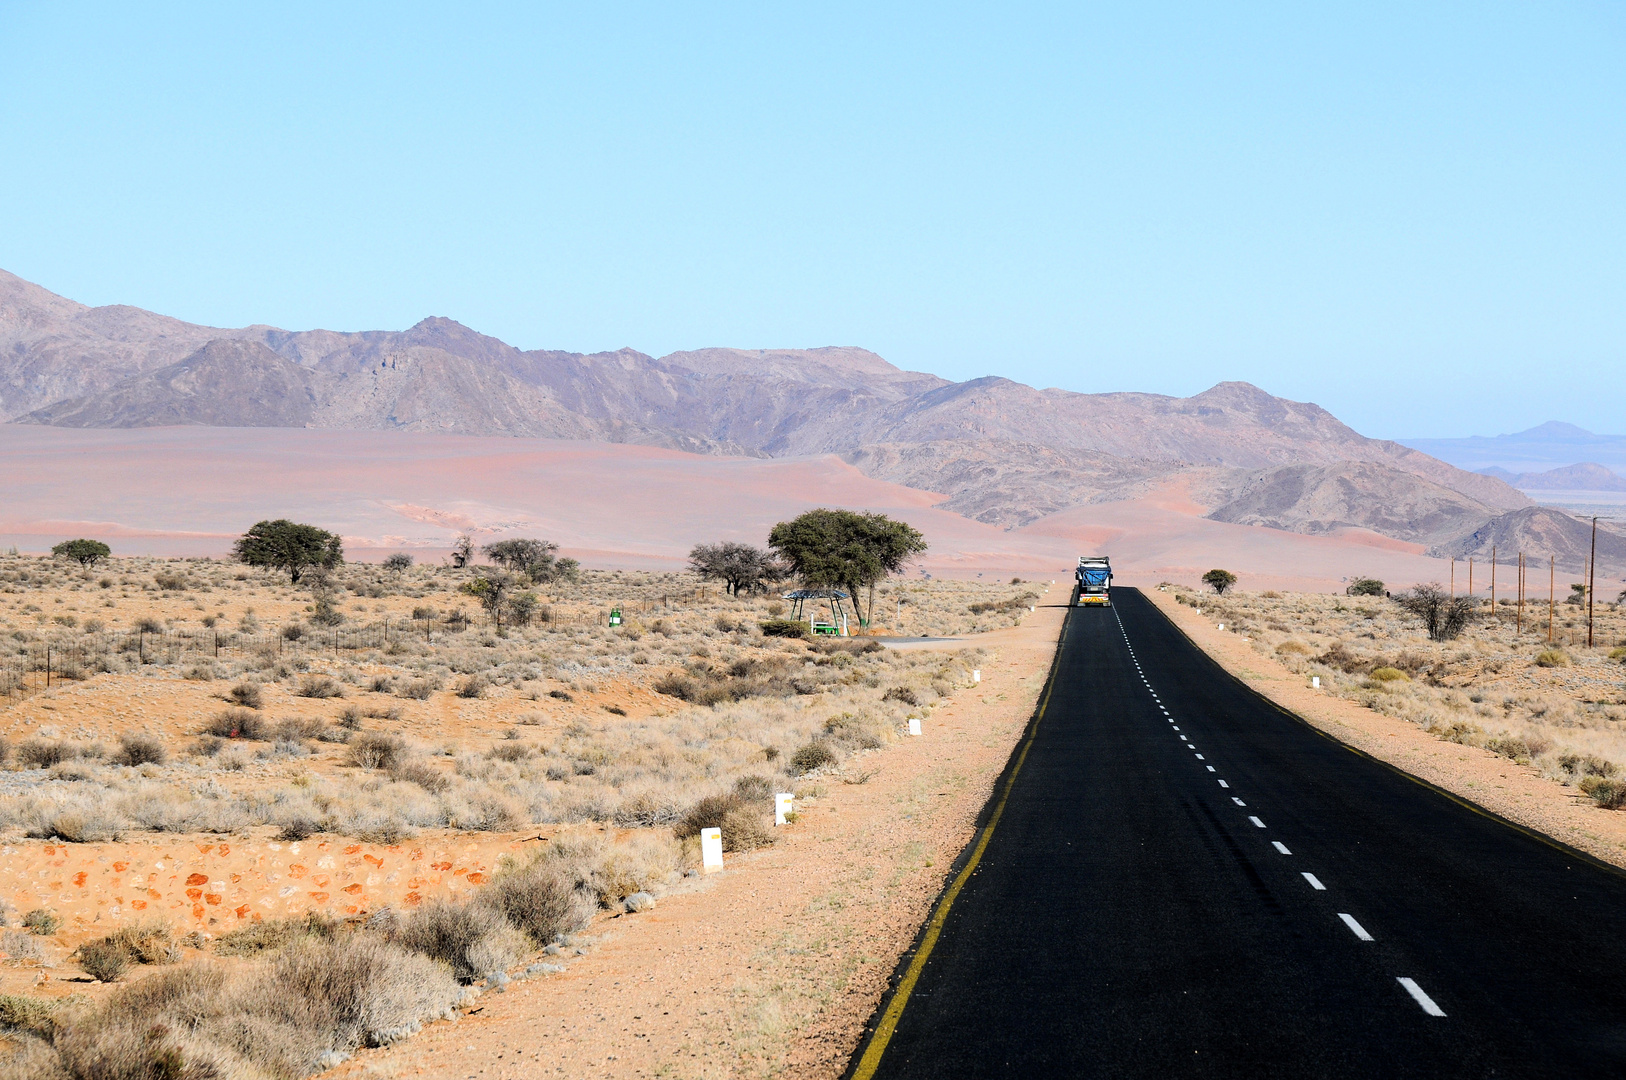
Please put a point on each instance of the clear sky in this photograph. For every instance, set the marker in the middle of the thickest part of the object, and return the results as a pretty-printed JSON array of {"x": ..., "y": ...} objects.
[{"x": 1411, "y": 213}]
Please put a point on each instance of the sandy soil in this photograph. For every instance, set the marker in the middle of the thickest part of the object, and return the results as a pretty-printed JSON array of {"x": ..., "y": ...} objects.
[
  {"x": 213, "y": 886},
  {"x": 771, "y": 967},
  {"x": 1517, "y": 792}
]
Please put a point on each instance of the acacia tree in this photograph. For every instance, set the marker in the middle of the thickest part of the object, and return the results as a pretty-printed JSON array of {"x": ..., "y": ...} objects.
[
  {"x": 532, "y": 558},
  {"x": 845, "y": 549},
  {"x": 1219, "y": 580},
  {"x": 86, "y": 553},
  {"x": 741, "y": 567},
  {"x": 286, "y": 545},
  {"x": 462, "y": 551}
]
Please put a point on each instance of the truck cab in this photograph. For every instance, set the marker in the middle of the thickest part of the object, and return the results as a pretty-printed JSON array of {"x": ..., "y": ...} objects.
[{"x": 1094, "y": 579}]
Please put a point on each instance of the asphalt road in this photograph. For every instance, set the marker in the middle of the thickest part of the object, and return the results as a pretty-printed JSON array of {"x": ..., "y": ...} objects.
[{"x": 1186, "y": 881}]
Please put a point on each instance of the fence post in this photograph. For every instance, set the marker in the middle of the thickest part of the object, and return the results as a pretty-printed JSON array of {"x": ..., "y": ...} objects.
[{"x": 47, "y": 667}]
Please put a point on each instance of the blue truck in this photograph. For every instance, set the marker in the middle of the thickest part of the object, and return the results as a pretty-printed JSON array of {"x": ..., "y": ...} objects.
[{"x": 1094, "y": 577}]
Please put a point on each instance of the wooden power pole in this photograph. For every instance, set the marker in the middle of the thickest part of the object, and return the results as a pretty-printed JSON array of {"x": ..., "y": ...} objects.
[
  {"x": 1550, "y": 600},
  {"x": 1591, "y": 579},
  {"x": 1518, "y": 618}
]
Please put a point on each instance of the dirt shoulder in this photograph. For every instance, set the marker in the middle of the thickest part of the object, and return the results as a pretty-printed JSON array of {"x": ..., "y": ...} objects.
[
  {"x": 771, "y": 967},
  {"x": 1516, "y": 792}
]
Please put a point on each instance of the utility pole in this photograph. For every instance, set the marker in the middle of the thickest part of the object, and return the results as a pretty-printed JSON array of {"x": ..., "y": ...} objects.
[
  {"x": 1550, "y": 587},
  {"x": 1493, "y": 580},
  {"x": 1591, "y": 578},
  {"x": 1470, "y": 575},
  {"x": 1453, "y": 577},
  {"x": 1518, "y": 619}
]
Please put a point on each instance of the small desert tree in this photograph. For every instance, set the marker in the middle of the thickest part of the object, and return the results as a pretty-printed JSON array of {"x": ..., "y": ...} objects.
[
  {"x": 1444, "y": 616},
  {"x": 839, "y": 547},
  {"x": 399, "y": 563},
  {"x": 1219, "y": 580},
  {"x": 1364, "y": 586},
  {"x": 533, "y": 559},
  {"x": 286, "y": 545},
  {"x": 493, "y": 590},
  {"x": 741, "y": 567},
  {"x": 86, "y": 553},
  {"x": 462, "y": 551}
]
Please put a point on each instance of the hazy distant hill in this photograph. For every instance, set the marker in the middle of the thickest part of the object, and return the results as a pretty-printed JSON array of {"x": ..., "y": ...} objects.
[
  {"x": 999, "y": 451},
  {"x": 1585, "y": 476},
  {"x": 1546, "y": 446}
]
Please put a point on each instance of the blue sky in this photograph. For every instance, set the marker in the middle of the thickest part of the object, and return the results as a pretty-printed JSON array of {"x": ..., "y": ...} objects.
[{"x": 1411, "y": 214}]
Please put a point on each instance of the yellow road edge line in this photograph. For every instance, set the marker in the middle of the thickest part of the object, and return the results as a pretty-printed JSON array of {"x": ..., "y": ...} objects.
[{"x": 900, "y": 997}]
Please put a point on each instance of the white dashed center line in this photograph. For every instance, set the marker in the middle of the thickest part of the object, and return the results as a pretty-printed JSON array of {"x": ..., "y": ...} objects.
[
  {"x": 1315, "y": 883},
  {"x": 1421, "y": 998},
  {"x": 1281, "y": 847},
  {"x": 1199, "y": 756},
  {"x": 1354, "y": 927},
  {"x": 1211, "y": 768},
  {"x": 1238, "y": 801},
  {"x": 1256, "y": 821},
  {"x": 1183, "y": 738},
  {"x": 1222, "y": 782}
]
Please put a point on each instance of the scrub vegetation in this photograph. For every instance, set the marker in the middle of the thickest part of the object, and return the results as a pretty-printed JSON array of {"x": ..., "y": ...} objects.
[
  {"x": 383, "y": 704},
  {"x": 1559, "y": 707}
]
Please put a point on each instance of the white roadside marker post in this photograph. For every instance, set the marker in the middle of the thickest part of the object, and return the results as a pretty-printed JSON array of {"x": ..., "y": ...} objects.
[
  {"x": 914, "y": 725},
  {"x": 781, "y": 806},
  {"x": 711, "y": 850},
  {"x": 1222, "y": 626},
  {"x": 976, "y": 675},
  {"x": 1315, "y": 682}
]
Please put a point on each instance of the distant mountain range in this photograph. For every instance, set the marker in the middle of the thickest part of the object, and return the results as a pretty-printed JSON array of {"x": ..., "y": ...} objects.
[
  {"x": 996, "y": 450},
  {"x": 1541, "y": 448}
]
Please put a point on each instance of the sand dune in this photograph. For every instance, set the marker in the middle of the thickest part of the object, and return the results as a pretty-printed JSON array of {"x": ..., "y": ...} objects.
[{"x": 191, "y": 490}]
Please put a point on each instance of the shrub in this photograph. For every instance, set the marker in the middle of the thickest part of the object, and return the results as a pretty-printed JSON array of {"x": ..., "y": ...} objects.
[
  {"x": 474, "y": 940},
  {"x": 42, "y": 921},
  {"x": 511, "y": 750},
  {"x": 369, "y": 991},
  {"x": 319, "y": 686},
  {"x": 787, "y": 628},
  {"x": 417, "y": 690},
  {"x": 1293, "y": 648},
  {"x": 413, "y": 769},
  {"x": 901, "y": 694},
  {"x": 1364, "y": 586},
  {"x": 272, "y": 935},
  {"x": 543, "y": 899},
  {"x": 744, "y": 825},
  {"x": 1388, "y": 674},
  {"x": 140, "y": 750},
  {"x": 299, "y": 827},
  {"x": 1618, "y": 653},
  {"x": 20, "y": 946},
  {"x": 103, "y": 961},
  {"x": 815, "y": 754},
  {"x": 146, "y": 943},
  {"x": 237, "y": 723},
  {"x": 1608, "y": 794},
  {"x": 375, "y": 750},
  {"x": 39, "y": 753},
  {"x": 561, "y": 695},
  {"x": 1552, "y": 658},
  {"x": 1588, "y": 765},
  {"x": 398, "y": 563},
  {"x": 1444, "y": 616},
  {"x": 1219, "y": 580},
  {"x": 246, "y": 695},
  {"x": 472, "y": 687}
]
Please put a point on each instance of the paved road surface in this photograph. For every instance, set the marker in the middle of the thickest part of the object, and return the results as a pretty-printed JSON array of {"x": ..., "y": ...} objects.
[{"x": 1186, "y": 881}]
